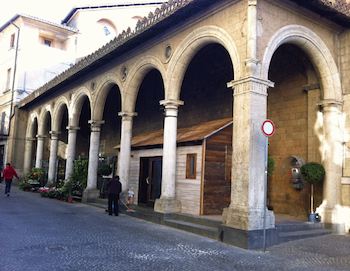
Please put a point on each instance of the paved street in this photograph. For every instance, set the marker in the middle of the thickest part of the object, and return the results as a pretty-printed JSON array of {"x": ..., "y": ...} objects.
[{"x": 45, "y": 234}]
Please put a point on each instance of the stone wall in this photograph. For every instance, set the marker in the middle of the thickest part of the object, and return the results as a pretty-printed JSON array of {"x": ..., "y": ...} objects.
[{"x": 294, "y": 112}]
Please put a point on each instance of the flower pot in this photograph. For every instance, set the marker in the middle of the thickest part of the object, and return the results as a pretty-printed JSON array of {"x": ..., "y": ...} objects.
[{"x": 314, "y": 217}]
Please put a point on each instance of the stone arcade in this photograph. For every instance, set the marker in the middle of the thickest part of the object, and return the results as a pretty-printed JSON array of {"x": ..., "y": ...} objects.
[{"x": 192, "y": 62}]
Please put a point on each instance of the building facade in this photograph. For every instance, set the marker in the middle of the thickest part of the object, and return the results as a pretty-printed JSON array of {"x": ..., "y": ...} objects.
[
  {"x": 192, "y": 62},
  {"x": 33, "y": 50}
]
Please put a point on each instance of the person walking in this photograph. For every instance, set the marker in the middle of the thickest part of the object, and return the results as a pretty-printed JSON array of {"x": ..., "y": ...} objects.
[
  {"x": 114, "y": 187},
  {"x": 8, "y": 173}
]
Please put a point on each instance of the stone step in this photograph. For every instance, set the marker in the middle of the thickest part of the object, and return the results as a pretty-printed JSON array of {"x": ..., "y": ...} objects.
[
  {"x": 295, "y": 235},
  {"x": 298, "y": 226},
  {"x": 210, "y": 232},
  {"x": 194, "y": 219}
]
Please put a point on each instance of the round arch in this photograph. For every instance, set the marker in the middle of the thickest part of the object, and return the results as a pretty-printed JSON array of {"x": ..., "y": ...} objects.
[
  {"x": 189, "y": 47},
  {"x": 47, "y": 111},
  {"x": 101, "y": 95},
  {"x": 58, "y": 113},
  {"x": 315, "y": 48},
  {"x": 135, "y": 78},
  {"x": 77, "y": 104},
  {"x": 30, "y": 126}
]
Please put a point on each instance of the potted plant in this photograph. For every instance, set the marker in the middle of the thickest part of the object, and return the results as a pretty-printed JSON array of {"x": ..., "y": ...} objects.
[
  {"x": 313, "y": 173},
  {"x": 270, "y": 169}
]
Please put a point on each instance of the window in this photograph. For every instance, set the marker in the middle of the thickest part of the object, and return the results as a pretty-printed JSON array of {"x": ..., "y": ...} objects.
[
  {"x": 191, "y": 166},
  {"x": 48, "y": 42},
  {"x": 106, "y": 30},
  {"x": 8, "y": 80},
  {"x": 12, "y": 41},
  {"x": 2, "y": 123}
]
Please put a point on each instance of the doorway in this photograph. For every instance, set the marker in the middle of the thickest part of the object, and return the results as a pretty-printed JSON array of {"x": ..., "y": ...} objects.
[{"x": 150, "y": 181}]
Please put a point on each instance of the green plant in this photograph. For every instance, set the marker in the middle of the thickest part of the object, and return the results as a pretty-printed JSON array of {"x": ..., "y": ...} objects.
[
  {"x": 78, "y": 180},
  {"x": 104, "y": 169},
  {"x": 270, "y": 166},
  {"x": 313, "y": 173}
]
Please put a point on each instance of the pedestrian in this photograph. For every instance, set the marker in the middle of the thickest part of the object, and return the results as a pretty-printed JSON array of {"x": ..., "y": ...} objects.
[
  {"x": 114, "y": 187},
  {"x": 8, "y": 173}
]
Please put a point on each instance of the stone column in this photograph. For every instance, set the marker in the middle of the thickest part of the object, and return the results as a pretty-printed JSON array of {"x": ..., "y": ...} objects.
[
  {"x": 53, "y": 157},
  {"x": 332, "y": 146},
  {"x": 125, "y": 148},
  {"x": 168, "y": 202},
  {"x": 91, "y": 192},
  {"x": 72, "y": 139},
  {"x": 28, "y": 155},
  {"x": 246, "y": 211},
  {"x": 39, "y": 151}
]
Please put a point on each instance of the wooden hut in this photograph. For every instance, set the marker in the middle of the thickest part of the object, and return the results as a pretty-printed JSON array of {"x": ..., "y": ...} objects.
[{"x": 203, "y": 174}]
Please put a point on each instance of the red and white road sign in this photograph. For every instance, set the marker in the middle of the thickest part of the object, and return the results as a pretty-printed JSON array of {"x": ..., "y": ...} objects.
[{"x": 268, "y": 128}]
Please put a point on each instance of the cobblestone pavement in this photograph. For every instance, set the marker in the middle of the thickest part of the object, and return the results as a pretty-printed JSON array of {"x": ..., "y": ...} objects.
[{"x": 45, "y": 234}]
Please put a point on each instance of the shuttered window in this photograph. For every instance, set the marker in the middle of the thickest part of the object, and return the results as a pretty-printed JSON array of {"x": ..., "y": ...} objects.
[{"x": 191, "y": 166}]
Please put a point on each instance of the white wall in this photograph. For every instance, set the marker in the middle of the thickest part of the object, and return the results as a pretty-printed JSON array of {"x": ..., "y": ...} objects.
[{"x": 187, "y": 190}]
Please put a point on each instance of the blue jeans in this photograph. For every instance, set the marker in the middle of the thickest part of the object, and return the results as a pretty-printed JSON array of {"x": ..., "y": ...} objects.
[{"x": 8, "y": 186}]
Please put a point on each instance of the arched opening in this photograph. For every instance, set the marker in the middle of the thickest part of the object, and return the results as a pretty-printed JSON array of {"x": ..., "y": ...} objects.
[
  {"x": 62, "y": 142},
  {"x": 83, "y": 134},
  {"x": 45, "y": 132},
  {"x": 206, "y": 120},
  {"x": 110, "y": 135},
  {"x": 147, "y": 139},
  {"x": 293, "y": 106},
  {"x": 32, "y": 135}
]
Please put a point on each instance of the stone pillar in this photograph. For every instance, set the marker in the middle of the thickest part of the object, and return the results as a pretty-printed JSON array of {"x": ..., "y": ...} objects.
[
  {"x": 246, "y": 211},
  {"x": 39, "y": 151},
  {"x": 332, "y": 147},
  {"x": 72, "y": 139},
  {"x": 91, "y": 192},
  {"x": 168, "y": 202},
  {"x": 125, "y": 148},
  {"x": 53, "y": 157},
  {"x": 28, "y": 149}
]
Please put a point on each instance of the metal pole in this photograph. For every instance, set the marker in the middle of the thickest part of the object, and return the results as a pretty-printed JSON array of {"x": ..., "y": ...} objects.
[{"x": 265, "y": 193}]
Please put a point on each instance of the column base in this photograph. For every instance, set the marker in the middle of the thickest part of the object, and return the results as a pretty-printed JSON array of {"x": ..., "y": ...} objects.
[
  {"x": 337, "y": 218},
  {"x": 90, "y": 195},
  {"x": 243, "y": 219},
  {"x": 167, "y": 205}
]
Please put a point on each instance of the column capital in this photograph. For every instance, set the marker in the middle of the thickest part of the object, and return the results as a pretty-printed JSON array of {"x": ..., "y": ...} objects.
[
  {"x": 171, "y": 104},
  {"x": 40, "y": 136},
  {"x": 55, "y": 133},
  {"x": 252, "y": 2},
  {"x": 73, "y": 128},
  {"x": 331, "y": 103},
  {"x": 250, "y": 84},
  {"x": 30, "y": 139},
  {"x": 127, "y": 115},
  {"x": 96, "y": 125}
]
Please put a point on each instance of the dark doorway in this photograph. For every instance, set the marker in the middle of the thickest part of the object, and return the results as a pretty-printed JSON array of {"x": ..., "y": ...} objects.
[
  {"x": 2, "y": 156},
  {"x": 150, "y": 181}
]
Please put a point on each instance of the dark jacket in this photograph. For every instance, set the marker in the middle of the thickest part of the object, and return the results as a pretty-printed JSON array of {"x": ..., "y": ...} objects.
[{"x": 114, "y": 186}]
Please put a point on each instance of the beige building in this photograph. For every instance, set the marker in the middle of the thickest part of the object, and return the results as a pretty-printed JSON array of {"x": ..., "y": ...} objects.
[
  {"x": 192, "y": 63},
  {"x": 33, "y": 50}
]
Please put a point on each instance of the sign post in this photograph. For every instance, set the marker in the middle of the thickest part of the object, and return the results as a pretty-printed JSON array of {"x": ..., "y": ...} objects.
[{"x": 268, "y": 129}]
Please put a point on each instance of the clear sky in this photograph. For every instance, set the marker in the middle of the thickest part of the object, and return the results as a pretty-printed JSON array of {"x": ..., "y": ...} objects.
[{"x": 51, "y": 10}]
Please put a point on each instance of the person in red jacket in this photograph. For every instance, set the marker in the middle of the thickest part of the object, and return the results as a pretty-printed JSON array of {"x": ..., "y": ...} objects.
[{"x": 8, "y": 173}]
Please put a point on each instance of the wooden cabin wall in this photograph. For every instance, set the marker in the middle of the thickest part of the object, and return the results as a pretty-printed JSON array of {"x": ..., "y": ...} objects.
[
  {"x": 217, "y": 172},
  {"x": 187, "y": 190}
]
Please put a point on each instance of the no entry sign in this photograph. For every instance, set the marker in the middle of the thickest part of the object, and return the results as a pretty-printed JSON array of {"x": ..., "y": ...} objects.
[{"x": 268, "y": 128}]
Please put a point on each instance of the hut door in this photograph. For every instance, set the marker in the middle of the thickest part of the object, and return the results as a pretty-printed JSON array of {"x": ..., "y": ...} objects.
[{"x": 150, "y": 180}]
